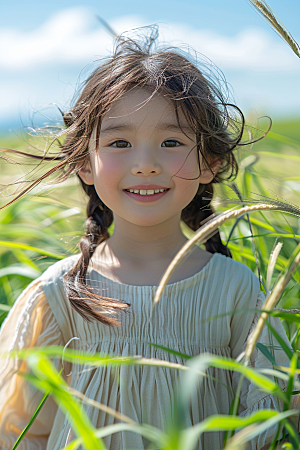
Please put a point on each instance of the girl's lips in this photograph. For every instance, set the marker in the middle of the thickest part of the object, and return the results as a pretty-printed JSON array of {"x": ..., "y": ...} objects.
[{"x": 146, "y": 198}]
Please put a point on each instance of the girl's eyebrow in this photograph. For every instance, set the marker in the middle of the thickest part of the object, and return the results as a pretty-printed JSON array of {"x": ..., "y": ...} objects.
[{"x": 162, "y": 126}]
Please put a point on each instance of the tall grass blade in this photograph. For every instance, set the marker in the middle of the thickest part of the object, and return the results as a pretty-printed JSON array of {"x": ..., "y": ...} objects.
[
  {"x": 222, "y": 423},
  {"x": 29, "y": 247},
  {"x": 97, "y": 360},
  {"x": 284, "y": 139},
  {"x": 169, "y": 350},
  {"x": 295, "y": 158},
  {"x": 264, "y": 9},
  {"x": 3, "y": 317},
  {"x": 272, "y": 300},
  {"x": 155, "y": 435},
  {"x": 238, "y": 193},
  {"x": 211, "y": 226},
  {"x": 265, "y": 351},
  {"x": 272, "y": 261},
  {"x": 48, "y": 379},
  {"x": 283, "y": 344},
  {"x": 20, "y": 269},
  {"x": 231, "y": 413},
  {"x": 106, "y": 409},
  {"x": 5, "y": 308},
  {"x": 32, "y": 419},
  {"x": 244, "y": 436},
  {"x": 293, "y": 367},
  {"x": 295, "y": 339}
]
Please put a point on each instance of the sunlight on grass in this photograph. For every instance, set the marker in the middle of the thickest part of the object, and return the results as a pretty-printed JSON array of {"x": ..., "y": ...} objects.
[{"x": 42, "y": 228}]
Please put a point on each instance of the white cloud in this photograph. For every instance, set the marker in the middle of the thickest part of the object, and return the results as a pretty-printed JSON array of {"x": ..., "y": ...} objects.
[
  {"x": 74, "y": 35},
  {"x": 253, "y": 49},
  {"x": 66, "y": 38},
  {"x": 42, "y": 66}
]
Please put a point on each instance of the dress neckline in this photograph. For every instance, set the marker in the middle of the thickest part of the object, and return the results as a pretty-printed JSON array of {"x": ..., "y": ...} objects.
[{"x": 176, "y": 283}]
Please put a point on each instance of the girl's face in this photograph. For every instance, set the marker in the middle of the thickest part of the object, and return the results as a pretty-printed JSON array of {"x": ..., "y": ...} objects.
[{"x": 141, "y": 145}]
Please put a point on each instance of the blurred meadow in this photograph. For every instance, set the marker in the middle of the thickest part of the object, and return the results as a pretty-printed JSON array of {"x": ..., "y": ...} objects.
[{"x": 46, "y": 224}]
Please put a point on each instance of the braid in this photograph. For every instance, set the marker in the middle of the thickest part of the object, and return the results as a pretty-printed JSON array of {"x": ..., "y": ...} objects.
[
  {"x": 197, "y": 211},
  {"x": 100, "y": 217}
]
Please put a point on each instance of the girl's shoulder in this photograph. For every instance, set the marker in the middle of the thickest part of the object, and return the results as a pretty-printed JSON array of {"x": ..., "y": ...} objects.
[
  {"x": 52, "y": 282},
  {"x": 234, "y": 269},
  {"x": 55, "y": 273},
  {"x": 234, "y": 277}
]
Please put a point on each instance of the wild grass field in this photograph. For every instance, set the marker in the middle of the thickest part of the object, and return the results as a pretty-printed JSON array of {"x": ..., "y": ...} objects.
[
  {"x": 52, "y": 222},
  {"x": 46, "y": 226}
]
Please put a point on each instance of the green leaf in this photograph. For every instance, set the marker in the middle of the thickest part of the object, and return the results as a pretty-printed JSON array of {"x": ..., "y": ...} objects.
[
  {"x": 284, "y": 139},
  {"x": 290, "y": 317},
  {"x": 32, "y": 419},
  {"x": 169, "y": 350},
  {"x": 190, "y": 435},
  {"x": 265, "y": 351},
  {"x": 280, "y": 155},
  {"x": 255, "y": 377},
  {"x": 193, "y": 365},
  {"x": 48, "y": 379},
  {"x": 29, "y": 247},
  {"x": 154, "y": 435},
  {"x": 293, "y": 367},
  {"x": 282, "y": 343},
  {"x": 244, "y": 436},
  {"x": 287, "y": 446},
  {"x": 97, "y": 360},
  {"x": 235, "y": 404},
  {"x": 3, "y": 317},
  {"x": 5, "y": 308},
  {"x": 21, "y": 270},
  {"x": 295, "y": 338}
]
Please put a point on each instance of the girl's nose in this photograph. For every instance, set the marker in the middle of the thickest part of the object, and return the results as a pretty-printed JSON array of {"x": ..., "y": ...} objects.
[
  {"x": 145, "y": 163},
  {"x": 145, "y": 170}
]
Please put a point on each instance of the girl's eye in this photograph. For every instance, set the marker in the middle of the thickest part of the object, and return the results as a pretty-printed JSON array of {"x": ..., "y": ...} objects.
[
  {"x": 171, "y": 143},
  {"x": 120, "y": 144}
]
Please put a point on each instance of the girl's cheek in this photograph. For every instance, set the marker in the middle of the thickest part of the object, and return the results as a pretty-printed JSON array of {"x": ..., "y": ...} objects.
[
  {"x": 109, "y": 171},
  {"x": 184, "y": 166},
  {"x": 109, "y": 164}
]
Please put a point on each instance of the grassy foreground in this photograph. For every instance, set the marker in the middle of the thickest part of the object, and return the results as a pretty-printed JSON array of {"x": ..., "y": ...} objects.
[{"x": 44, "y": 227}]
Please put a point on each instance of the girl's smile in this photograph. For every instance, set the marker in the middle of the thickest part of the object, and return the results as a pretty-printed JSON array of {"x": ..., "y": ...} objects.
[{"x": 146, "y": 192}]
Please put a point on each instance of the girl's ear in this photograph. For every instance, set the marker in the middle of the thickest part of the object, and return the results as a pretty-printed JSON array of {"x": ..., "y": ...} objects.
[
  {"x": 86, "y": 173},
  {"x": 207, "y": 175}
]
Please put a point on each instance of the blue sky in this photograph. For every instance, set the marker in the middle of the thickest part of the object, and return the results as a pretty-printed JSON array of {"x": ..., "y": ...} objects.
[{"x": 44, "y": 46}]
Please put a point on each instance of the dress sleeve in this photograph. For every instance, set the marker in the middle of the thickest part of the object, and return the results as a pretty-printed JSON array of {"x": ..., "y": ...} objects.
[
  {"x": 30, "y": 323},
  {"x": 252, "y": 399}
]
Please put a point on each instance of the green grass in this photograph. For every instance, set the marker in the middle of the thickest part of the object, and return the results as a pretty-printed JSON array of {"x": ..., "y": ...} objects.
[{"x": 40, "y": 229}]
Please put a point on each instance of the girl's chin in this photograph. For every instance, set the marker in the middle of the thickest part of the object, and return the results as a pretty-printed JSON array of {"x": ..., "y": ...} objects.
[{"x": 149, "y": 220}]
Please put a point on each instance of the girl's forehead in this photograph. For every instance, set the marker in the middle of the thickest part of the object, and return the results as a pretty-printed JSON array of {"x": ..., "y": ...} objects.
[{"x": 141, "y": 107}]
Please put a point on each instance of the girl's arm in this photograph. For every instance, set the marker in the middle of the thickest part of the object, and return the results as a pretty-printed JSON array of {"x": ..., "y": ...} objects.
[{"x": 30, "y": 323}]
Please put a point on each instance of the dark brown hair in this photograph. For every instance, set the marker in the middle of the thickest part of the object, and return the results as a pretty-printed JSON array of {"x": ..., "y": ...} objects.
[{"x": 193, "y": 94}]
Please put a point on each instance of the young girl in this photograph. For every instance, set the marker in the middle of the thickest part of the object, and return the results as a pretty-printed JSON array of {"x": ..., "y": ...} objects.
[{"x": 147, "y": 137}]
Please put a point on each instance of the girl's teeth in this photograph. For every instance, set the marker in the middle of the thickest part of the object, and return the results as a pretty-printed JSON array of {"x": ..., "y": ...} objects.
[{"x": 146, "y": 192}]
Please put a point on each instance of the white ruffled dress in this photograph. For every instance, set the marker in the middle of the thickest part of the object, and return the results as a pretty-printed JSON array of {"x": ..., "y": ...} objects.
[{"x": 42, "y": 316}]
